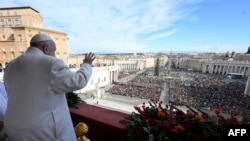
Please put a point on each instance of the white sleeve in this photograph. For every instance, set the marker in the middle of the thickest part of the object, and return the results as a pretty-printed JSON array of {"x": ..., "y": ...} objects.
[{"x": 64, "y": 80}]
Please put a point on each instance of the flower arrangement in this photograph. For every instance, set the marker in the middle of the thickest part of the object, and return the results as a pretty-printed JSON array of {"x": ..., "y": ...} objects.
[{"x": 155, "y": 122}]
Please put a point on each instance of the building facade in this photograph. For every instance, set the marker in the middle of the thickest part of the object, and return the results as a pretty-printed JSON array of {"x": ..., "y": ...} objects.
[
  {"x": 17, "y": 26},
  {"x": 101, "y": 77},
  {"x": 125, "y": 63}
]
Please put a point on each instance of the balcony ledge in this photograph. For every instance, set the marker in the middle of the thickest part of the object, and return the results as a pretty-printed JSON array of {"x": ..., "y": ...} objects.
[{"x": 104, "y": 124}]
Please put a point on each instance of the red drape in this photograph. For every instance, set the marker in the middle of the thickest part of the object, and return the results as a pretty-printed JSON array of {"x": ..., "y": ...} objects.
[{"x": 104, "y": 124}]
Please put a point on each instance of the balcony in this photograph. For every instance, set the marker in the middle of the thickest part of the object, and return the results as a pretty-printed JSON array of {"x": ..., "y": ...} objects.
[{"x": 104, "y": 124}]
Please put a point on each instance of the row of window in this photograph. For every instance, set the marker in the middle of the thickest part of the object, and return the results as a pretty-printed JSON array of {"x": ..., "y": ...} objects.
[
  {"x": 10, "y": 21},
  {"x": 11, "y": 50},
  {"x": 19, "y": 37},
  {"x": 56, "y": 38},
  {"x": 8, "y": 13},
  {"x": 12, "y": 55}
]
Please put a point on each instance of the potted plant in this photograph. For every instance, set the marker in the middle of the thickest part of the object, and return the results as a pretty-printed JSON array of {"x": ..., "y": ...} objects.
[{"x": 156, "y": 122}]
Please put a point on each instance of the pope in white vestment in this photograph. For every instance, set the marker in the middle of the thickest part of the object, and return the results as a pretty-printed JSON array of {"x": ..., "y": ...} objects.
[{"x": 36, "y": 83}]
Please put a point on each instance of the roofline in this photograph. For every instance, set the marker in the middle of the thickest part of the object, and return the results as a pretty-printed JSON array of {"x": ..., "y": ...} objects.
[
  {"x": 42, "y": 29},
  {"x": 22, "y": 7}
]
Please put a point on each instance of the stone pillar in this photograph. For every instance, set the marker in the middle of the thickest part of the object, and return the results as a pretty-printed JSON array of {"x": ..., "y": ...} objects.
[
  {"x": 216, "y": 68},
  {"x": 211, "y": 67},
  {"x": 98, "y": 93},
  {"x": 224, "y": 68},
  {"x": 246, "y": 92},
  {"x": 110, "y": 77},
  {"x": 248, "y": 70}
]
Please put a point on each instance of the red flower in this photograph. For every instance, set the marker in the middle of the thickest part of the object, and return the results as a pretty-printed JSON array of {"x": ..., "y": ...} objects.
[
  {"x": 172, "y": 130},
  {"x": 189, "y": 114},
  {"x": 217, "y": 111},
  {"x": 165, "y": 124},
  {"x": 179, "y": 128},
  {"x": 233, "y": 120},
  {"x": 161, "y": 114},
  {"x": 199, "y": 118},
  {"x": 152, "y": 121},
  {"x": 191, "y": 126}
]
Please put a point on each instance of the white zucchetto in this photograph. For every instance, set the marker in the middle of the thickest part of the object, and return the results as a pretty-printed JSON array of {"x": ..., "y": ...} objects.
[{"x": 40, "y": 37}]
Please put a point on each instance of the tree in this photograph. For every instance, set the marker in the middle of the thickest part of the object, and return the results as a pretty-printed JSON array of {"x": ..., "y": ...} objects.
[
  {"x": 227, "y": 55},
  {"x": 233, "y": 54},
  {"x": 248, "y": 51},
  {"x": 157, "y": 67}
]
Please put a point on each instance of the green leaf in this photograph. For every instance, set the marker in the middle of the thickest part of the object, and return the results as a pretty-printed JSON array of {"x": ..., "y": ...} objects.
[{"x": 73, "y": 99}]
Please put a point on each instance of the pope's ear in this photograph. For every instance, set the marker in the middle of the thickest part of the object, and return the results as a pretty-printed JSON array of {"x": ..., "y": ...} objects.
[{"x": 45, "y": 49}]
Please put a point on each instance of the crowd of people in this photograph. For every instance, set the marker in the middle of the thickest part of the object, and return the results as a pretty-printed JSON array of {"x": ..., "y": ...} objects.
[
  {"x": 141, "y": 86},
  {"x": 195, "y": 89},
  {"x": 211, "y": 91}
]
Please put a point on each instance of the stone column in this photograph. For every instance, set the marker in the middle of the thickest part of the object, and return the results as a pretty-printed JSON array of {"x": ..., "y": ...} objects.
[{"x": 246, "y": 92}]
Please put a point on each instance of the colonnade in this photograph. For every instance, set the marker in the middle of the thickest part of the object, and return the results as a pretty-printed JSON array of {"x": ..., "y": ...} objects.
[
  {"x": 242, "y": 67},
  {"x": 224, "y": 67},
  {"x": 113, "y": 76},
  {"x": 128, "y": 66}
]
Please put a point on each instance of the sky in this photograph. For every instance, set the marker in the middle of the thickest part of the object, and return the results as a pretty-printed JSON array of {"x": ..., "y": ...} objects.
[{"x": 141, "y": 26}]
